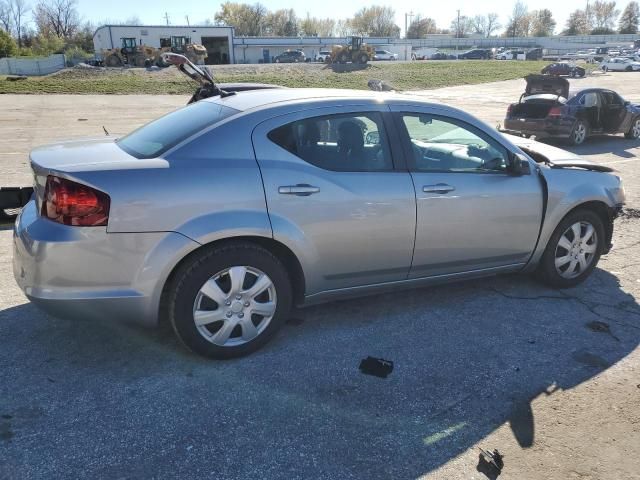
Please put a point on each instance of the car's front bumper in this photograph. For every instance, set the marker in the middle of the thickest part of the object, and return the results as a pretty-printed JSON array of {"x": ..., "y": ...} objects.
[{"x": 86, "y": 273}]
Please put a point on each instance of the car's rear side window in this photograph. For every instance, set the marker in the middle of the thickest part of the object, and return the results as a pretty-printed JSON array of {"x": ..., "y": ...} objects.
[{"x": 155, "y": 138}]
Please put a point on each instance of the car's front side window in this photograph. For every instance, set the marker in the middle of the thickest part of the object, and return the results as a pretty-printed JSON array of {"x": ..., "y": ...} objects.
[
  {"x": 354, "y": 142},
  {"x": 442, "y": 144}
]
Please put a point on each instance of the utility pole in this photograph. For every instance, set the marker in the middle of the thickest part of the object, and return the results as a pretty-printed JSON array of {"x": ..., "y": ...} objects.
[
  {"x": 406, "y": 23},
  {"x": 166, "y": 17},
  {"x": 187, "y": 17}
]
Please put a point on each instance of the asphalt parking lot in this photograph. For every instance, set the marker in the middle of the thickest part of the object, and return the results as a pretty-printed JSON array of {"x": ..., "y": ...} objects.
[{"x": 498, "y": 363}]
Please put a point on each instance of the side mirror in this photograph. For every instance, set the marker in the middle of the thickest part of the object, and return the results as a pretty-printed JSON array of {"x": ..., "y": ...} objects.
[{"x": 519, "y": 165}]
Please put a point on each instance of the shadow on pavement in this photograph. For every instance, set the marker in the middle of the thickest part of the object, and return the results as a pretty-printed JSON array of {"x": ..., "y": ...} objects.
[
  {"x": 602, "y": 144},
  {"x": 109, "y": 401}
]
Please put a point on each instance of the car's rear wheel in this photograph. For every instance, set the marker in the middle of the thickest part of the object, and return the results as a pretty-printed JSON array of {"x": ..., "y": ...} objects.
[
  {"x": 229, "y": 301},
  {"x": 634, "y": 131},
  {"x": 573, "y": 250},
  {"x": 628, "y": 69},
  {"x": 579, "y": 133},
  {"x": 605, "y": 68}
]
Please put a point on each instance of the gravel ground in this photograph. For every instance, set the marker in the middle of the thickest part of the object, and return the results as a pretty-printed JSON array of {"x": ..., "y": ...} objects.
[{"x": 499, "y": 363}]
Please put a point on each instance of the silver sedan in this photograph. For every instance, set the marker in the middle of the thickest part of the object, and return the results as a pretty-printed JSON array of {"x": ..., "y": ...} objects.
[{"x": 223, "y": 215}]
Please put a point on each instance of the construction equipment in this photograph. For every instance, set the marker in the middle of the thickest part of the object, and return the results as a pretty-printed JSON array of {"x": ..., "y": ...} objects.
[
  {"x": 357, "y": 52},
  {"x": 195, "y": 52},
  {"x": 130, "y": 54}
]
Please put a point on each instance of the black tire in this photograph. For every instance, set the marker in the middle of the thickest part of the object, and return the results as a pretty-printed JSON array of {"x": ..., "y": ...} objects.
[
  {"x": 202, "y": 266},
  {"x": 575, "y": 138},
  {"x": 343, "y": 57},
  {"x": 634, "y": 130},
  {"x": 628, "y": 69},
  {"x": 547, "y": 272},
  {"x": 363, "y": 58}
]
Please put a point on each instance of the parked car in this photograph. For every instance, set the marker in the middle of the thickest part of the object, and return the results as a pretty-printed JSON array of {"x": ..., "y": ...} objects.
[
  {"x": 534, "y": 54},
  {"x": 620, "y": 65},
  {"x": 222, "y": 215},
  {"x": 547, "y": 109},
  {"x": 475, "y": 54},
  {"x": 323, "y": 56},
  {"x": 512, "y": 55},
  {"x": 424, "y": 53},
  {"x": 290, "y": 56},
  {"x": 443, "y": 56},
  {"x": 564, "y": 68},
  {"x": 385, "y": 55}
]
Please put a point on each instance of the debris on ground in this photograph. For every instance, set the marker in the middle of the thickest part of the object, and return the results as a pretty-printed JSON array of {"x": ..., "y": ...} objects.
[
  {"x": 601, "y": 327},
  {"x": 630, "y": 213},
  {"x": 490, "y": 463},
  {"x": 378, "y": 367},
  {"x": 16, "y": 78}
]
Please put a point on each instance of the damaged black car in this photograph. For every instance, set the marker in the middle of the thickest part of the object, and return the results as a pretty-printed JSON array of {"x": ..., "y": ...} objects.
[{"x": 548, "y": 110}]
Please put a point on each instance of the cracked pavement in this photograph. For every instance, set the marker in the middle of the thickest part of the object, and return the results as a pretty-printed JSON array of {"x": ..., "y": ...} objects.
[{"x": 499, "y": 363}]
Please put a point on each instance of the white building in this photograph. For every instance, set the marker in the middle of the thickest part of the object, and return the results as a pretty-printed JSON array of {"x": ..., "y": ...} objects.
[{"x": 217, "y": 40}]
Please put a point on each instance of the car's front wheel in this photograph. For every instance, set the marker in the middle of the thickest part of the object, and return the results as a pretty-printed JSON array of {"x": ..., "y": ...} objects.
[
  {"x": 634, "y": 131},
  {"x": 228, "y": 301},
  {"x": 573, "y": 250}
]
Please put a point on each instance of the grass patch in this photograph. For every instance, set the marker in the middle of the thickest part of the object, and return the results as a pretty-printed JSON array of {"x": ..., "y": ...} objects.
[{"x": 403, "y": 76}]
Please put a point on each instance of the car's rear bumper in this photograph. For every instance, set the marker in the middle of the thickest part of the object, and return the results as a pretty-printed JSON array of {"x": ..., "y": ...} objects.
[
  {"x": 86, "y": 273},
  {"x": 541, "y": 128}
]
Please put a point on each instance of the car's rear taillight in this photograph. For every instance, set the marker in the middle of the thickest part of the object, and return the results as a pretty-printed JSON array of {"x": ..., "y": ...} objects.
[
  {"x": 555, "y": 112},
  {"x": 509, "y": 109},
  {"x": 72, "y": 203}
]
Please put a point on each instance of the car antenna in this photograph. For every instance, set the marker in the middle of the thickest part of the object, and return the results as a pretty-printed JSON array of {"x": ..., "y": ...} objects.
[{"x": 105, "y": 131}]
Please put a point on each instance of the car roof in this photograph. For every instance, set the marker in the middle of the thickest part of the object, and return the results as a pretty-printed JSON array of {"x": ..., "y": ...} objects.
[{"x": 260, "y": 98}]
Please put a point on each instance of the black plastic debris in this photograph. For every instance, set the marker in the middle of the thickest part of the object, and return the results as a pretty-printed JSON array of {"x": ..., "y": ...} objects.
[
  {"x": 601, "y": 327},
  {"x": 378, "y": 367},
  {"x": 490, "y": 463}
]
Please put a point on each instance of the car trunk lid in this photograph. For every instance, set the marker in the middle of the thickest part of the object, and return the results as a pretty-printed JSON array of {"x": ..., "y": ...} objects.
[{"x": 549, "y": 84}]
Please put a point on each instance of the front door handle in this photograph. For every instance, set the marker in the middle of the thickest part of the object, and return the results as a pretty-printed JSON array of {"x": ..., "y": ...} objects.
[
  {"x": 301, "y": 190},
  {"x": 438, "y": 188}
]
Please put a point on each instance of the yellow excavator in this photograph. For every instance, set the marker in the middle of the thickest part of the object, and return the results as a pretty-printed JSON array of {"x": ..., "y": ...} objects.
[{"x": 356, "y": 52}]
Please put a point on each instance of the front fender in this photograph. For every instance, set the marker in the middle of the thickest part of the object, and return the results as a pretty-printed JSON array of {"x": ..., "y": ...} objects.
[{"x": 568, "y": 189}]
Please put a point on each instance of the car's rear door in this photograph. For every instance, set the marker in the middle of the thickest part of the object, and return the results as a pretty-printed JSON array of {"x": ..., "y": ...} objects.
[
  {"x": 335, "y": 196},
  {"x": 472, "y": 214}
]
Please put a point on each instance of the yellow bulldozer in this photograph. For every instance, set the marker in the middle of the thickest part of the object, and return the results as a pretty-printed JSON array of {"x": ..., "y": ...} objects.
[
  {"x": 195, "y": 52},
  {"x": 136, "y": 55},
  {"x": 130, "y": 54},
  {"x": 356, "y": 52}
]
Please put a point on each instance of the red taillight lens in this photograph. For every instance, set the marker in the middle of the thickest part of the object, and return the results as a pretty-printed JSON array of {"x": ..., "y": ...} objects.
[
  {"x": 509, "y": 109},
  {"x": 72, "y": 203},
  {"x": 555, "y": 112}
]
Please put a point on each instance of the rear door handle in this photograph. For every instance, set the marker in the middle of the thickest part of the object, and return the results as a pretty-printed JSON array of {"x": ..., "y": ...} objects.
[
  {"x": 301, "y": 190},
  {"x": 438, "y": 188}
]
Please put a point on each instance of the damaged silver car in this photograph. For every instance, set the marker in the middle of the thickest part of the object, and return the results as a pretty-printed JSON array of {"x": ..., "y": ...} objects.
[{"x": 223, "y": 215}]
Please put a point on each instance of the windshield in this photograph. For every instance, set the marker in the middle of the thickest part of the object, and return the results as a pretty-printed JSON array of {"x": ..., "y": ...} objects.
[{"x": 155, "y": 138}]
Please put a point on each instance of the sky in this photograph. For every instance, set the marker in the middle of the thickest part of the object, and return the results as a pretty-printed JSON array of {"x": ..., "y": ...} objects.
[{"x": 153, "y": 11}]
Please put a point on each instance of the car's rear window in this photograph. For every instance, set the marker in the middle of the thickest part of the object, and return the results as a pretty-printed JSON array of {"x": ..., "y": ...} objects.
[{"x": 155, "y": 138}]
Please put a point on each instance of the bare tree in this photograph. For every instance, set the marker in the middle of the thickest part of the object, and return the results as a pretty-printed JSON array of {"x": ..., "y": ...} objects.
[
  {"x": 577, "y": 23},
  {"x": 376, "y": 21},
  {"x": 485, "y": 24},
  {"x": 421, "y": 27},
  {"x": 317, "y": 27},
  {"x": 57, "y": 17},
  {"x": 542, "y": 23},
  {"x": 519, "y": 22},
  {"x": 18, "y": 10},
  {"x": 5, "y": 16},
  {"x": 629, "y": 19},
  {"x": 604, "y": 15},
  {"x": 461, "y": 26},
  {"x": 246, "y": 19}
]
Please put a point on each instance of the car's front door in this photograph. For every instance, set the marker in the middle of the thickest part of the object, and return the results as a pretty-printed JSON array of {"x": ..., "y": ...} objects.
[
  {"x": 334, "y": 196},
  {"x": 473, "y": 214},
  {"x": 614, "y": 111}
]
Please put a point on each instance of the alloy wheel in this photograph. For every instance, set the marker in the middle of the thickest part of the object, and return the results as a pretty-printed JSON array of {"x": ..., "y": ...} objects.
[
  {"x": 635, "y": 130},
  {"x": 579, "y": 133},
  {"x": 235, "y": 306},
  {"x": 576, "y": 250}
]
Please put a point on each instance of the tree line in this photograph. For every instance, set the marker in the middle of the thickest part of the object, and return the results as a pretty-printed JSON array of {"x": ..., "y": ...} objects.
[{"x": 49, "y": 26}]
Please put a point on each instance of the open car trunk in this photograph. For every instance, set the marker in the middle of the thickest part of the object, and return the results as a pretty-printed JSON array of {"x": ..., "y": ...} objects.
[{"x": 543, "y": 92}]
